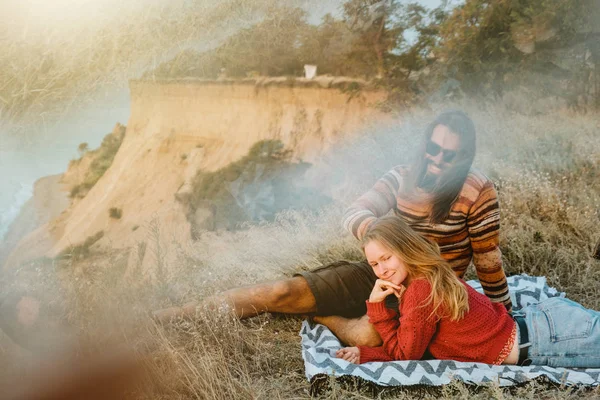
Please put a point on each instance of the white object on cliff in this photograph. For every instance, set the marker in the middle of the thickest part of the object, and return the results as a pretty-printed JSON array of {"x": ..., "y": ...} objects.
[{"x": 310, "y": 71}]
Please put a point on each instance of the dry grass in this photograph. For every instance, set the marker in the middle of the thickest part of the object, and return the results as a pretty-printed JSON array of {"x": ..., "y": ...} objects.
[
  {"x": 546, "y": 169},
  {"x": 49, "y": 68}
]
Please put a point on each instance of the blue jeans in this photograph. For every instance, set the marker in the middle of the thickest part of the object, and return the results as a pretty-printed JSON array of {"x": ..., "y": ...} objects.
[{"x": 563, "y": 334}]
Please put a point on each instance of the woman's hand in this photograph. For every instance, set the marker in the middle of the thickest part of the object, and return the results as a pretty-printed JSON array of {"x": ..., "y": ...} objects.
[
  {"x": 383, "y": 289},
  {"x": 350, "y": 354}
]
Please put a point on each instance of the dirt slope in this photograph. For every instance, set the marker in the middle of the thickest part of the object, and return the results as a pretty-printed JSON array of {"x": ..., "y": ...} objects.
[{"x": 50, "y": 199}]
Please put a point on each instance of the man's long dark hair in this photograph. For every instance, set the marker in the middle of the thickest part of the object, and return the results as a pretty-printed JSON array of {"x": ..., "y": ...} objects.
[{"x": 446, "y": 190}]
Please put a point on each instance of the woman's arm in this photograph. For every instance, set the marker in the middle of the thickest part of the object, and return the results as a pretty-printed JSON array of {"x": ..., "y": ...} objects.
[
  {"x": 375, "y": 203},
  {"x": 406, "y": 337}
]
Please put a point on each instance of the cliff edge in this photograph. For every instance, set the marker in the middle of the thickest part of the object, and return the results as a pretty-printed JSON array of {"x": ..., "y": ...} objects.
[{"x": 177, "y": 128}]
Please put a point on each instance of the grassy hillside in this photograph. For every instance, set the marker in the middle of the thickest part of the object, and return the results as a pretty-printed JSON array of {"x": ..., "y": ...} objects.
[{"x": 546, "y": 169}]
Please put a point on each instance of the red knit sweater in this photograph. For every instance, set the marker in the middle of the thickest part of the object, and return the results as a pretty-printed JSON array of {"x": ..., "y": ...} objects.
[{"x": 479, "y": 336}]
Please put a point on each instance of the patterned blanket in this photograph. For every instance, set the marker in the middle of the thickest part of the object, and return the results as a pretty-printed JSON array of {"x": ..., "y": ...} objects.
[{"x": 319, "y": 346}]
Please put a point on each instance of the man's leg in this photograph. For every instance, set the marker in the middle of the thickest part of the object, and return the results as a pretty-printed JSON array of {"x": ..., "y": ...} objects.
[
  {"x": 340, "y": 289},
  {"x": 353, "y": 332},
  {"x": 289, "y": 296}
]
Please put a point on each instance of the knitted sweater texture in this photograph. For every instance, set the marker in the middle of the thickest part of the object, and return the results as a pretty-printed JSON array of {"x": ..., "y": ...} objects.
[
  {"x": 478, "y": 337},
  {"x": 470, "y": 233}
]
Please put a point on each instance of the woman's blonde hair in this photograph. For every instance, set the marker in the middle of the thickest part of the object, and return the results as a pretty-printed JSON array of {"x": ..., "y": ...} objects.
[{"x": 423, "y": 259}]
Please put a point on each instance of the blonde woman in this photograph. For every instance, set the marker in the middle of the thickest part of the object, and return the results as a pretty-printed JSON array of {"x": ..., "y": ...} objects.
[{"x": 439, "y": 315}]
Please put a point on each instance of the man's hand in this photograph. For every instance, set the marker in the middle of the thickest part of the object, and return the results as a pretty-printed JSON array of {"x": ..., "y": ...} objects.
[
  {"x": 383, "y": 289},
  {"x": 350, "y": 354}
]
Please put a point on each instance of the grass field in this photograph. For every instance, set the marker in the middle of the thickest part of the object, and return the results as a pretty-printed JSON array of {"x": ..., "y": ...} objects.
[{"x": 546, "y": 168}]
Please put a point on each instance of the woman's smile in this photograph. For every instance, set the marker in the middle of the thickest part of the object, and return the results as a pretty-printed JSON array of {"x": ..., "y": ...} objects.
[{"x": 385, "y": 263}]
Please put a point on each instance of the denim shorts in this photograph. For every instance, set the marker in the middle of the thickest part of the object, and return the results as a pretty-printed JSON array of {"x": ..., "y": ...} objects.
[{"x": 563, "y": 334}]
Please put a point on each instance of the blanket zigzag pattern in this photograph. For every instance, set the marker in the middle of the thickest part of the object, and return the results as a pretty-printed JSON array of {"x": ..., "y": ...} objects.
[{"x": 319, "y": 346}]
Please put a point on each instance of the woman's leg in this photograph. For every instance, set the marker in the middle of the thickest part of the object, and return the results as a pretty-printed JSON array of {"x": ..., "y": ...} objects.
[{"x": 563, "y": 334}]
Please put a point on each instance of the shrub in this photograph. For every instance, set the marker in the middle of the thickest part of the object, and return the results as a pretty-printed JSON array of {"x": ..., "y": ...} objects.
[
  {"x": 83, "y": 147},
  {"x": 82, "y": 250},
  {"x": 102, "y": 160},
  {"x": 115, "y": 213},
  {"x": 253, "y": 189}
]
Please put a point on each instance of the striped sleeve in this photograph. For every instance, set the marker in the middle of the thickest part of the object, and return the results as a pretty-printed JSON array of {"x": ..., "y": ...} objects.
[
  {"x": 375, "y": 203},
  {"x": 483, "y": 223}
]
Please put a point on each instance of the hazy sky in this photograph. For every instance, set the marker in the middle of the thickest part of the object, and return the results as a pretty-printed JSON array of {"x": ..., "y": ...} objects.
[
  {"x": 317, "y": 9},
  {"x": 67, "y": 13},
  {"x": 322, "y": 8}
]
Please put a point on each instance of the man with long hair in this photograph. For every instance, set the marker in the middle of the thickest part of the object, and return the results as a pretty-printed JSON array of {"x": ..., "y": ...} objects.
[{"x": 440, "y": 196}]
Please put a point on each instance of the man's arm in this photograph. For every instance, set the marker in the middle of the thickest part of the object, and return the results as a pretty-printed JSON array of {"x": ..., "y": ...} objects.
[
  {"x": 483, "y": 224},
  {"x": 375, "y": 203}
]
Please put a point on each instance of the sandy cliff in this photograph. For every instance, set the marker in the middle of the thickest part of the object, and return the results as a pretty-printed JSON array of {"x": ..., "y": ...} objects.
[
  {"x": 50, "y": 199},
  {"x": 178, "y": 127}
]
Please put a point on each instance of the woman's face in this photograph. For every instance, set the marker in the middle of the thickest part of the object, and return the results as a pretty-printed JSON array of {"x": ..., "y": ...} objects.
[{"x": 386, "y": 264}]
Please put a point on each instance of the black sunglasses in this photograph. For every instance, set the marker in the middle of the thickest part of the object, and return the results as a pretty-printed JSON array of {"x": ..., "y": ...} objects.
[{"x": 433, "y": 149}]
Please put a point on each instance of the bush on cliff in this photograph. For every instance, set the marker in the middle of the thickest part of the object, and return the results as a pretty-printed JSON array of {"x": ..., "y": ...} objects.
[
  {"x": 102, "y": 160},
  {"x": 115, "y": 213},
  {"x": 252, "y": 189},
  {"x": 81, "y": 250}
]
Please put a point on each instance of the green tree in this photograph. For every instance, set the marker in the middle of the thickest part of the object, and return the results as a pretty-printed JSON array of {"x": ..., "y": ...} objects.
[
  {"x": 269, "y": 48},
  {"x": 493, "y": 45},
  {"x": 377, "y": 28},
  {"x": 327, "y": 46}
]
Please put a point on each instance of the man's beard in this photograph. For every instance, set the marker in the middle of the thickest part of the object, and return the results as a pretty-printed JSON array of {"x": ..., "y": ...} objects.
[{"x": 429, "y": 181}]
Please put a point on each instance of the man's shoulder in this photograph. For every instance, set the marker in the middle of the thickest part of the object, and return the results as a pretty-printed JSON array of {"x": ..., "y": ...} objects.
[
  {"x": 477, "y": 180},
  {"x": 477, "y": 185},
  {"x": 400, "y": 170},
  {"x": 397, "y": 174}
]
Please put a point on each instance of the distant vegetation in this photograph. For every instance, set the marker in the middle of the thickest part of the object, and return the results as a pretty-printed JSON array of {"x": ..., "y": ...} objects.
[
  {"x": 102, "y": 160},
  {"x": 479, "y": 48},
  {"x": 252, "y": 189}
]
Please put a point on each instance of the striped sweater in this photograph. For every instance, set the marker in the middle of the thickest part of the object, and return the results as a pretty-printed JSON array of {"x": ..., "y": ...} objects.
[{"x": 470, "y": 233}]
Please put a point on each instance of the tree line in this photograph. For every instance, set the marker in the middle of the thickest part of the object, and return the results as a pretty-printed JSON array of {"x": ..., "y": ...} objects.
[{"x": 480, "y": 47}]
